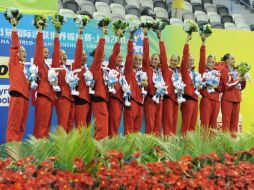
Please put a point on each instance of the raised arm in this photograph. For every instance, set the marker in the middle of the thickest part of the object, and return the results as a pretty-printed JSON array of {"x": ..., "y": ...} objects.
[
  {"x": 116, "y": 51},
  {"x": 56, "y": 60},
  {"x": 98, "y": 57},
  {"x": 129, "y": 58},
  {"x": 163, "y": 56},
  {"x": 202, "y": 59},
  {"x": 78, "y": 52},
  {"x": 14, "y": 52},
  {"x": 38, "y": 54},
  {"x": 146, "y": 57},
  {"x": 185, "y": 59}
]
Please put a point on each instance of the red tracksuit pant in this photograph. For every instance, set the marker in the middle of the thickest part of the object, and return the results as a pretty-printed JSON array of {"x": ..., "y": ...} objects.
[
  {"x": 132, "y": 118},
  {"x": 169, "y": 117},
  {"x": 153, "y": 115},
  {"x": 115, "y": 109},
  {"x": 189, "y": 110},
  {"x": 230, "y": 115},
  {"x": 209, "y": 111},
  {"x": 65, "y": 110},
  {"x": 43, "y": 114},
  {"x": 17, "y": 116},
  {"x": 100, "y": 113},
  {"x": 81, "y": 114}
]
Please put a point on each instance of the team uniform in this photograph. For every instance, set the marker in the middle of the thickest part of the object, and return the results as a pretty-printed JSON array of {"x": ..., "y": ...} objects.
[
  {"x": 170, "y": 104},
  {"x": 152, "y": 110},
  {"x": 101, "y": 96},
  {"x": 65, "y": 107},
  {"x": 19, "y": 94},
  {"x": 189, "y": 108},
  {"x": 45, "y": 93},
  {"x": 82, "y": 101},
  {"x": 133, "y": 113},
  {"x": 231, "y": 98}
]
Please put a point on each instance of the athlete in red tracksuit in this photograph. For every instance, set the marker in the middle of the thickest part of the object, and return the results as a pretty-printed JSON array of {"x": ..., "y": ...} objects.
[
  {"x": 189, "y": 108},
  {"x": 152, "y": 110},
  {"x": 101, "y": 96},
  {"x": 133, "y": 113},
  {"x": 82, "y": 102},
  {"x": 115, "y": 104},
  {"x": 231, "y": 98},
  {"x": 210, "y": 102},
  {"x": 170, "y": 104},
  {"x": 19, "y": 90},
  {"x": 45, "y": 92},
  {"x": 65, "y": 108}
]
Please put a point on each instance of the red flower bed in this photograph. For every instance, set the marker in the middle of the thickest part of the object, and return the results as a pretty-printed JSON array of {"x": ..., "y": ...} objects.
[{"x": 204, "y": 172}]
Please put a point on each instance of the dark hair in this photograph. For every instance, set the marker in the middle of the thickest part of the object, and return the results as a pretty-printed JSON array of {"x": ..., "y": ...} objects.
[
  {"x": 92, "y": 53},
  {"x": 225, "y": 57}
]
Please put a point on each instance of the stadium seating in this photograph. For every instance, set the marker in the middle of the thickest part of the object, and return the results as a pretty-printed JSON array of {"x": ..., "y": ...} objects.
[{"x": 226, "y": 14}]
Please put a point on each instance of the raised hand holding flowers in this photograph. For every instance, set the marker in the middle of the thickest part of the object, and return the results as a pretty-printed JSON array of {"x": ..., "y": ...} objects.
[
  {"x": 190, "y": 26},
  {"x": 146, "y": 24},
  {"x": 119, "y": 27},
  {"x": 158, "y": 26},
  {"x": 205, "y": 30},
  {"x": 81, "y": 21},
  {"x": 40, "y": 20},
  {"x": 58, "y": 20},
  {"x": 103, "y": 23},
  {"x": 13, "y": 15}
]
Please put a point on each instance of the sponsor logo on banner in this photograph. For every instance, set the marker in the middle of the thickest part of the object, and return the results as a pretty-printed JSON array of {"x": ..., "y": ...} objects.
[
  {"x": 4, "y": 67},
  {"x": 4, "y": 95}
]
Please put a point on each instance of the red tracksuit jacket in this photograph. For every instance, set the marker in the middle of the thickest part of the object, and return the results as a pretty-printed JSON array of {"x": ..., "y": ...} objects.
[
  {"x": 149, "y": 70},
  {"x": 82, "y": 88},
  {"x": 131, "y": 75},
  {"x": 167, "y": 73},
  {"x": 112, "y": 65},
  {"x": 189, "y": 89},
  {"x": 230, "y": 93},
  {"x": 56, "y": 63},
  {"x": 43, "y": 84},
  {"x": 202, "y": 69},
  {"x": 18, "y": 82},
  {"x": 100, "y": 87}
]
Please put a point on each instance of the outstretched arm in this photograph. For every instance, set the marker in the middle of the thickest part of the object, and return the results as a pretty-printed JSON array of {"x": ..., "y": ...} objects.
[
  {"x": 202, "y": 60},
  {"x": 38, "y": 54},
  {"x": 14, "y": 52},
  {"x": 56, "y": 60},
  {"x": 78, "y": 52},
  {"x": 146, "y": 58},
  {"x": 98, "y": 57}
]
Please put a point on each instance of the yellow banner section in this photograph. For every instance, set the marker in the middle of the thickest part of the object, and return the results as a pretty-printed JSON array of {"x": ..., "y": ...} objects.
[{"x": 4, "y": 67}]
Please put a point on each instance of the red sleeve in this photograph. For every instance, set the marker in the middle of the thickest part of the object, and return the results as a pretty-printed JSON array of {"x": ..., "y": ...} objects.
[
  {"x": 14, "y": 52},
  {"x": 129, "y": 58},
  {"x": 38, "y": 54},
  {"x": 113, "y": 57},
  {"x": 163, "y": 57},
  {"x": 243, "y": 85},
  {"x": 202, "y": 60},
  {"x": 78, "y": 55},
  {"x": 185, "y": 60},
  {"x": 146, "y": 58},
  {"x": 56, "y": 61},
  {"x": 98, "y": 57}
]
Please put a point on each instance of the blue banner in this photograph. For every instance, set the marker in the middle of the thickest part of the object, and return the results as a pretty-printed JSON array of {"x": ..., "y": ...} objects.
[{"x": 27, "y": 34}]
